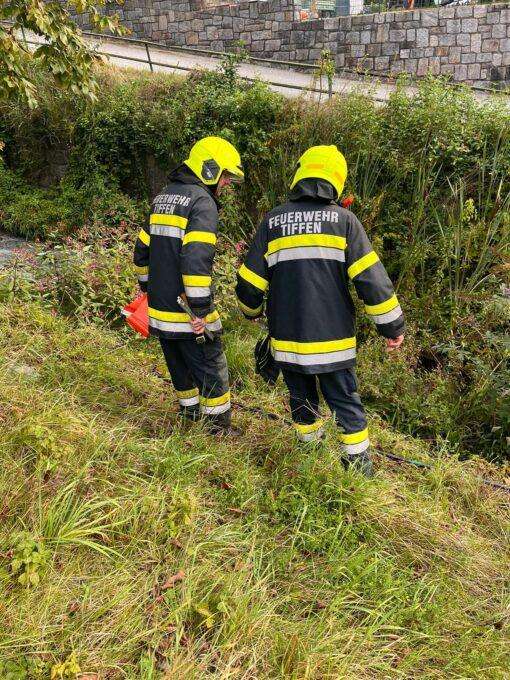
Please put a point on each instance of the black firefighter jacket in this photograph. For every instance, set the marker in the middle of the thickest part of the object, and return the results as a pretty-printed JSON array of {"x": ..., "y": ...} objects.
[
  {"x": 174, "y": 253},
  {"x": 304, "y": 254}
]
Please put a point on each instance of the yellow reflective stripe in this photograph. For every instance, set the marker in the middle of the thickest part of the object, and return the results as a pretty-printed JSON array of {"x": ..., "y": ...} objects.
[
  {"x": 248, "y": 310},
  {"x": 382, "y": 307},
  {"x": 186, "y": 394},
  {"x": 144, "y": 237},
  {"x": 141, "y": 270},
  {"x": 355, "y": 437},
  {"x": 255, "y": 280},
  {"x": 179, "y": 316},
  {"x": 363, "y": 263},
  {"x": 190, "y": 280},
  {"x": 325, "y": 240},
  {"x": 313, "y": 347},
  {"x": 306, "y": 429},
  {"x": 200, "y": 236},
  {"x": 215, "y": 401},
  {"x": 169, "y": 220}
]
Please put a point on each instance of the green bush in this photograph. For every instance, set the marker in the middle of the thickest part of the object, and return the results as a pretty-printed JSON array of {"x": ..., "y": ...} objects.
[{"x": 90, "y": 211}]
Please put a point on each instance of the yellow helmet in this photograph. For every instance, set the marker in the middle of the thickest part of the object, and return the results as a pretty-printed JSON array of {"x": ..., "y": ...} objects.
[
  {"x": 211, "y": 156},
  {"x": 322, "y": 162}
]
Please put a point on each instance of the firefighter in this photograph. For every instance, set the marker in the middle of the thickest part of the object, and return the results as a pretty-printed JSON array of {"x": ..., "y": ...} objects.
[
  {"x": 303, "y": 256},
  {"x": 174, "y": 256}
]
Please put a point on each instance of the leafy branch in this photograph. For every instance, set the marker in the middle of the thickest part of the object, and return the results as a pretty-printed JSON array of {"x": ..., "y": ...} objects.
[{"x": 63, "y": 51}]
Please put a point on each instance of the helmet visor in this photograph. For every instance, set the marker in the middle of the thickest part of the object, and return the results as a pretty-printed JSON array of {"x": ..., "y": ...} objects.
[{"x": 235, "y": 175}]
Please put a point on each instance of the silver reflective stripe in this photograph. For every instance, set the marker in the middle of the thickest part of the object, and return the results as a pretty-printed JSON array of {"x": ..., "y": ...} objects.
[
  {"x": 180, "y": 326},
  {"x": 143, "y": 277},
  {"x": 214, "y": 410},
  {"x": 354, "y": 449},
  {"x": 305, "y": 253},
  {"x": 162, "y": 230},
  {"x": 389, "y": 316},
  {"x": 315, "y": 359},
  {"x": 190, "y": 401},
  {"x": 310, "y": 436},
  {"x": 197, "y": 291}
]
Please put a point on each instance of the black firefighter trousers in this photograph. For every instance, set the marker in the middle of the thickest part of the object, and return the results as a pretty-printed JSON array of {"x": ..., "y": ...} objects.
[
  {"x": 340, "y": 391},
  {"x": 200, "y": 376}
]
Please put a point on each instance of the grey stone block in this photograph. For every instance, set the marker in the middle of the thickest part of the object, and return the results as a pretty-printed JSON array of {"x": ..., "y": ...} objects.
[
  {"x": 453, "y": 26},
  {"x": 455, "y": 55},
  {"x": 460, "y": 72},
  {"x": 272, "y": 45},
  {"x": 397, "y": 36},
  {"x": 382, "y": 34},
  {"x": 479, "y": 11},
  {"x": 476, "y": 43},
  {"x": 447, "y": 40},
  {"x": 423, "y": 67},
  {"x": 352, "y": 38},
  {"x": 390, "y": 49},
  {"x": 499, "y": 31},
  {"x": 491, "y": 45},
  {"x": 468, "y": 58},
  {"x": 373, "y": 49},
  {"x": 357, "y": 50},
  {"x": 381, "y": 63},
  {"x": 435, "y": 66},
  {"x": 484, "y": 58},
  {"x": 464, "y": 11},
  {"x": 422, "y": 37},
  {"x": 429, "y": 18},
  {"x": 469, "y": 25}
]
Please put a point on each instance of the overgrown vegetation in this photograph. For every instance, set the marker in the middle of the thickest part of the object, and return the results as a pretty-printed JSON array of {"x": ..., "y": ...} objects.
[
  {"x": 431, "y": 179},
  {"x": 136, "y": 547}
]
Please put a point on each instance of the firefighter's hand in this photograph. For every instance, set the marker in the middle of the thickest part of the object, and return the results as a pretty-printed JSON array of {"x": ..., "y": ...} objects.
[
  {"x": 394, "y": 343},
  {"x": 198, "y": 325}
]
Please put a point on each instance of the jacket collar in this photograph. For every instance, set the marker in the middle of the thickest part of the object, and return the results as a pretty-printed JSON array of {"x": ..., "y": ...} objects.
[
  {"x": 184, "y": 175},
  {"x": 313, "y": 189}
]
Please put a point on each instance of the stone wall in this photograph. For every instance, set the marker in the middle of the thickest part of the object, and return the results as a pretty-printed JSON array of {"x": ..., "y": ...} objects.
[{"x": 469, "y": 43}]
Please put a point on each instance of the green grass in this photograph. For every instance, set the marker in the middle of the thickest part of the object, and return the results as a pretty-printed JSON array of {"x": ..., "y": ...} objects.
[{"x": 292, "y": 568}]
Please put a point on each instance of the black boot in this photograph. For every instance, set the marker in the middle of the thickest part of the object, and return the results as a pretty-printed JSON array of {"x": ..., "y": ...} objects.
[
  {"x": 360, "y": 462},
  {"x": 221, "y": 425},
  {"x": 190, "y": 413}
]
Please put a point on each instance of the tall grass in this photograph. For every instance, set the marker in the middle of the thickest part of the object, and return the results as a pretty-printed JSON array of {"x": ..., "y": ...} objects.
[{"x": 168, "y": 554}]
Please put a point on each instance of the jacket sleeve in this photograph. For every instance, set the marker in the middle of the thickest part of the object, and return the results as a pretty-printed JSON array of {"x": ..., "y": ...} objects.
[
  {"x": 372, "y": 283},
  {"x": 253, "y": 277},
  {"x": 197, "y": 254},
  {"x": 141, "y": 257}
]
